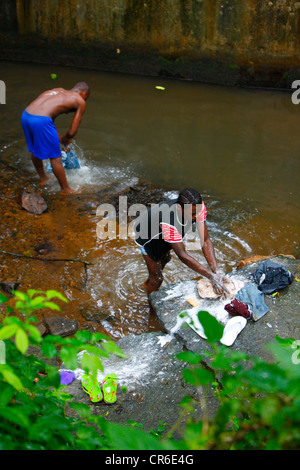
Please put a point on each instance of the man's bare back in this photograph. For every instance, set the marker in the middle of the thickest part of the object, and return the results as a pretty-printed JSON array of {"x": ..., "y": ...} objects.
[
  {"x": 50, "y": 104},
  {"x": 57, "y": 101}
]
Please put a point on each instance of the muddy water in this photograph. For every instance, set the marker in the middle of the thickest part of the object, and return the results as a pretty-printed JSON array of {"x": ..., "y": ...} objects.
[{"x": 239, "y": 148}]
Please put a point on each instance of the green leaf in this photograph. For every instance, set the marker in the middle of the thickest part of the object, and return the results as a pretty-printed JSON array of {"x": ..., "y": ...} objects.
[
  {"x": 69, "y": 357},
  {"x": 84, "y": 411},
  {"x": 21, "y": 339},
  {"x": 99, "y": 337},
  {"x": 90, "y": 348},
  {"x": 6, "y": 394},
  {"x": 50, "y": 294},
  {"x": 112, "y": 348},
  {"x": 48, "y": 349},
  {"x": 190, "y": 357},
  {"x": 10, "y": 377},
  {"x": 197, "y": 376},
  {"x": 15, "y": 415},
  {"x": 284, "y": 341},
  {"x": 212, "y": 328},
  {"x": 8, "y": 331},
  {"x": 20, "y": 295},
  {"x": 51, "y": 305},
  {"x": 53, "y": 376},
  {"x": 83, "y": 335},
  {"x": 123, "y": 437},
  {"x": 91, "y": 363},
  {"x": 20, "y": 305},
  {"x": 34, "y": 332},
  {"x": 3, "y": 298},
  {"x": 37, "y": 301},
  {"x": 187, "y": 403},
  {"x": 31, "y": 292},
  {"x": 12, "y": 320}
]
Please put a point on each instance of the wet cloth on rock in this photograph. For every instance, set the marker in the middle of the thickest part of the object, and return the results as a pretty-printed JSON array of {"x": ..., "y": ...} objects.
[
  {"x": 237, "y": 308},
  {"x": 66, "y": 377},
  {"x": 254, "y": 298},
  {"x": 271, "y": 277},
  {"x": 206, "y": 291}
]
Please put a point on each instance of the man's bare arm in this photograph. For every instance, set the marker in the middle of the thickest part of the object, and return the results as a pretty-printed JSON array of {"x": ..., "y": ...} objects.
[{"x": 67, "y": 138}]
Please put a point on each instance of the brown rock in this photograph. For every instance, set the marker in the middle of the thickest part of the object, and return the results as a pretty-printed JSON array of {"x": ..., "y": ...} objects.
[
  {"x": 9, "y": 286},
  {"x": 253, "y": 259},
  {"x": 33, "y": 202},
  {"x": 60, "y": 326}
]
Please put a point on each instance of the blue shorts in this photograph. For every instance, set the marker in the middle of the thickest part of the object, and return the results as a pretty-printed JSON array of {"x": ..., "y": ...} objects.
[{"x": 41, "y": 136}]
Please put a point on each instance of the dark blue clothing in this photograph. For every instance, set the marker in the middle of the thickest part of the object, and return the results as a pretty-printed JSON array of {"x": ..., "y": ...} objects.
[{"x": 271, "y": 277}]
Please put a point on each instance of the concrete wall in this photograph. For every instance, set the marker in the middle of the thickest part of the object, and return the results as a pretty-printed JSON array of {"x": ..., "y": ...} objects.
[{"x": 252, "y": 34}]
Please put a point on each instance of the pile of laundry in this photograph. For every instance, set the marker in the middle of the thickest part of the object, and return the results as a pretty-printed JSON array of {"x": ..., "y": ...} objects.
[{"x": 247, "y": 299}]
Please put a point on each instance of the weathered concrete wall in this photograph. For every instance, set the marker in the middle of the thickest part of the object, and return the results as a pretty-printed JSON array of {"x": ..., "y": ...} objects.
[
  {"x": 252, "y": 34},
  {"x": 254, "y": 27}
]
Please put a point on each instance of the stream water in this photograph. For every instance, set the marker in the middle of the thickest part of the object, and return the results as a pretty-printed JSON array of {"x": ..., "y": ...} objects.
[{"x": 238, "y": 147}]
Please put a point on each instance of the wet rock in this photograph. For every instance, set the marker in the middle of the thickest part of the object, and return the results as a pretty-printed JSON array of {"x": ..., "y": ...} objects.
[
  {"x": 152, "y": 373},
  {"x": 33, "y": 202},
  {"x": 44, "y": 248},
  {"x": 282, "y": 319},
  {"x": 62, "y": 326},
  {"x": 9, "y": 286},
  {"x": 253, "y": 259},
  {"x": 42, "y": 329},
  {"x": 91, "y": 313},
  {"x": 153, "y": 377}
]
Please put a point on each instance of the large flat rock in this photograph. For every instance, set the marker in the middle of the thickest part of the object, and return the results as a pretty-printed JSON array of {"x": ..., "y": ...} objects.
[
  {"x": 282, "y": 319},
  {"x": 153, "y": 379},
  {"x": 152, "y": 373}
]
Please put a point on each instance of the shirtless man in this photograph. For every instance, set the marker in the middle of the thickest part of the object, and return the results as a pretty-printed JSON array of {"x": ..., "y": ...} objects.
[{"x": 42, "y": 137}]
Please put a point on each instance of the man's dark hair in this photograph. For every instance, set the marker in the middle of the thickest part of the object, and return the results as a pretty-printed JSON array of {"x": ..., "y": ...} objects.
[
  {"x": 189, "y": 196},
  {"x": 81, "y": 86}
]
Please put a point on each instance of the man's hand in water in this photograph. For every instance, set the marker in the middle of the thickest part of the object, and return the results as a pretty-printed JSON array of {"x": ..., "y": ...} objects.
[
  {"x": 66, "y": 142},
  {"x": 217, "y": 281}
]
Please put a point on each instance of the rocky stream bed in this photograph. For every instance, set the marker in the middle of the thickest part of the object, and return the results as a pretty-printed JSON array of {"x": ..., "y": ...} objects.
[{"x": 42, "y": 251}]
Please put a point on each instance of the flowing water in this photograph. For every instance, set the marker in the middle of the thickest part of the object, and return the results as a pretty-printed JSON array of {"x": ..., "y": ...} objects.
[{"x": 239, "y": 148}]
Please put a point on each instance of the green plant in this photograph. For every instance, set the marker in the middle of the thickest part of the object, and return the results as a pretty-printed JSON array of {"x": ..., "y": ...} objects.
[
  {"x": 259, "y": 404},
  {"x": 33, "y": 404},
  {"x": 258, "y": 401}
]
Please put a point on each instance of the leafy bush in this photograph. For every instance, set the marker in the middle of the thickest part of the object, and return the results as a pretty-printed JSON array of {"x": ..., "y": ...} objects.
[
  {"x": 259, "y": 404},
  {"x": 33, "y": 404}
]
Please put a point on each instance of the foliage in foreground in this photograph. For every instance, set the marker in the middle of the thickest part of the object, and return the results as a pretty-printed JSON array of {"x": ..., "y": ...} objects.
[{"x": 258, "y": 402}]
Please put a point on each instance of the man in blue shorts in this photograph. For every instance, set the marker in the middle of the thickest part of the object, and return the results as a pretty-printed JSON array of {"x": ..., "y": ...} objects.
[
  {"x": 163, "y": 227},
  {"x": 42, "y": 137}
]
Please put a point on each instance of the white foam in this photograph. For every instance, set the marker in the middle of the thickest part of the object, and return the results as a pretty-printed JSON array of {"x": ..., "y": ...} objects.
[
  {"x": 130, "y": 370},
  {"x": 165, "y": 339},
  {"x": 171, "y": 194}
]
